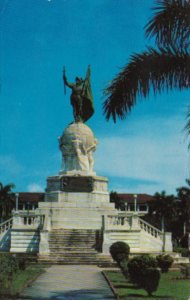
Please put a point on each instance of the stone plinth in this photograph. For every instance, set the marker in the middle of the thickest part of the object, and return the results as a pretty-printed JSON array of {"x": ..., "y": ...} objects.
[
  {"x": 76, "y": 202},
  {"x": 76, "y": 184}
]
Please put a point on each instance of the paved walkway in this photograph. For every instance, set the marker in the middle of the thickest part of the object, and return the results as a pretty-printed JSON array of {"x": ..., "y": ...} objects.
[{"x": 69, "y": 283}]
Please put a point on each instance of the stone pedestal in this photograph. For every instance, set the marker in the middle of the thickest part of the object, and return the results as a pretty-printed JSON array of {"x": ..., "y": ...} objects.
[{"x": 76, "y": 202}]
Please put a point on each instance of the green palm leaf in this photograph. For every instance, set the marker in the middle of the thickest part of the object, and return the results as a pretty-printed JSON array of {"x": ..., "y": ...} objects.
[
  {"x": 170, "y": 24},
  {"x": 187, "y": 126},
  {"x": 161, "y": 69}
]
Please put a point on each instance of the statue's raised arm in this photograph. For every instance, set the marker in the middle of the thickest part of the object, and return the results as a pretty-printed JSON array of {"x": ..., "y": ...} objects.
[{"x": 81, "y": 97}]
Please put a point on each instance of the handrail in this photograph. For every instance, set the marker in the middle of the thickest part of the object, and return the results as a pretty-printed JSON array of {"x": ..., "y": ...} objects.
[
  {"x": 150, "y": 229},
  {"x": 6, "y": 225}
]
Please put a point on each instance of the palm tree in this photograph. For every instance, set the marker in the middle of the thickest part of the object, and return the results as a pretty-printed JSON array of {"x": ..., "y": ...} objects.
[
  {"x": 6, "y": 200},
  {"x": 165, "y": 67},
  {"x": 163, "y": 210}
]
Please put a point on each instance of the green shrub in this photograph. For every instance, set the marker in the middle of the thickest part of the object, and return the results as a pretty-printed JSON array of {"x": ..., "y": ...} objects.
[
  {"x": 184, "y": 251},
  {"x": 137, "y": 265},
  {"x": 8, "y": 266},
  {"x": 164, "y": 262},
  {"x": 151, "y": 278},
  {"x": 143, "y": 272},
  {"x": 120, "y": 252}
]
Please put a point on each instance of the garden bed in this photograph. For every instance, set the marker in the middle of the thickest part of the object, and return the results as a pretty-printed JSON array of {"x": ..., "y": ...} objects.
[{"x": 169, "y": 288}]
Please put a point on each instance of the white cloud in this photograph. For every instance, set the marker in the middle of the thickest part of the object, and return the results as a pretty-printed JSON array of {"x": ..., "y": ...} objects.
[
  {"x": 35, "y": 187},
  {"x": 154, "y": 153},
  {"x": 8, "y": 164}
]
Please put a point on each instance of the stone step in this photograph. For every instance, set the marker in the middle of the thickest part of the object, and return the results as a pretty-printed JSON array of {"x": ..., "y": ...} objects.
[
  {"x": 72, "y": 243},
  {"x": 73, "y": 251},
  {"x": 73, "y": 231},
  {"x": 74, "y": 237},
  {"x": 60, "y": 262},
  {"x": 70, "y": 258},
  {"x": 69, "y": 238},
  {"x": 72, "y": 234},
  {"x": 47, "y": 261},
  {"x": 92, "y": 236},
  {"x": 78, "y": 249}
]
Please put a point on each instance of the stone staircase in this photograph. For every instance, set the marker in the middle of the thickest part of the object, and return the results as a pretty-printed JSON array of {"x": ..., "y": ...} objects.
[{"x": 75, "y": 246}]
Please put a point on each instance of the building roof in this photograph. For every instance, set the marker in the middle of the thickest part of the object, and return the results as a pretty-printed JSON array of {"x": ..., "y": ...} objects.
[
  {"x": 25, "y": 197},
  {"x": 30, "y": 197},
  {"x": 141, "y": 198}
]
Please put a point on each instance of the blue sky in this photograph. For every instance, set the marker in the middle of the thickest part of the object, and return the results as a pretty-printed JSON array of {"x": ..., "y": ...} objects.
[{"x": 145, "y": 153}]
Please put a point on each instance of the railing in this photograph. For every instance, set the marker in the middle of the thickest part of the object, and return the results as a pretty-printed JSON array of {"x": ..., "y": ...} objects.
[
  {"x": 118, "y": 222},
  {"x": 28, "y": 221},
  {"x": 6, "y": 225},
  {"x": 150, "y": 229}
]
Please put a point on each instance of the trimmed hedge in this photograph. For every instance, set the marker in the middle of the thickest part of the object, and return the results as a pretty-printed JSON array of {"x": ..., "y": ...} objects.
[
  {"x": 120, "y": 252},
  {"x": 164, "y": 262},
  {"x": 143, "y": 272},
  {"x": 151, "y": 278}
]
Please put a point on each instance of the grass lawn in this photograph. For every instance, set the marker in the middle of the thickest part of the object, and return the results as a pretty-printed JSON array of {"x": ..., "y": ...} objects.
[
  {"x": 22, "y": 278},
  {"x": 169, "y": 287}
]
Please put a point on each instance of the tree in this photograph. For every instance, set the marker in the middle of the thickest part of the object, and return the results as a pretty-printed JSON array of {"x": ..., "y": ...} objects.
[
  {"x": 6, "y": 200},
  {"x": 183, "y": 194},
  {"x": 163, "y": 209},
  {"x": 165, "y": 67},
  {"x": 114, "y": 198}
]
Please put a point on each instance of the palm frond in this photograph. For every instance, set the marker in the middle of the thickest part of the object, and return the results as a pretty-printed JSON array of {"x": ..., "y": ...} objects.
[
  {"x": 170, "y": 24},
  {"x": 162, "y": 69}
]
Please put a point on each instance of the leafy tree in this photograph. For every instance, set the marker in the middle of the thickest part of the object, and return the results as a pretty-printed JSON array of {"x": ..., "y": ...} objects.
[
  {"x": 165, "y": 67},
  {"x": 183, "y": 194},
  {"x": 163, "y": 209},
  {"x": 6, "y": 200},
  {"x": 114, "y": 198}
]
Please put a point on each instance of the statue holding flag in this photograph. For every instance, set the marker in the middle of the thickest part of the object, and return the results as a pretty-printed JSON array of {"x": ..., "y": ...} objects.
[{"x": 81, "y": 97}]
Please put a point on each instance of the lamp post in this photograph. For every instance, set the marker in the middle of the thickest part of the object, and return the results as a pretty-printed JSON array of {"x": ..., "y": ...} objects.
[
  {"x": 135, "y": 203},
  {"x": 17, "y": 196}
]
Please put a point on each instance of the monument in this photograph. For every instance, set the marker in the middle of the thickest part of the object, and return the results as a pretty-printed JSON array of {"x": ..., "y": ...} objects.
[{"x": 77, "y": 219}]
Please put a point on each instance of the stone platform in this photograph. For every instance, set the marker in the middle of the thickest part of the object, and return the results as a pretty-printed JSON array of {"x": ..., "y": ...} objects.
[{"x": 81, "y": 208}]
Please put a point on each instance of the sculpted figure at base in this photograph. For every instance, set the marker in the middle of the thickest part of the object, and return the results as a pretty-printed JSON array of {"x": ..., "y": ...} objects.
[{"x": 81, "y": 97}]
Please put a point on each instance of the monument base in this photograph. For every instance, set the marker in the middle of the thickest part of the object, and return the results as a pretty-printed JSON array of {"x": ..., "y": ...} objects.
[{"x": 76, "y": 202}]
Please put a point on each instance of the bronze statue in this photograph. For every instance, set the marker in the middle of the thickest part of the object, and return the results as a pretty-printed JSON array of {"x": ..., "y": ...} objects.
[{"x": 81, "y": 97}]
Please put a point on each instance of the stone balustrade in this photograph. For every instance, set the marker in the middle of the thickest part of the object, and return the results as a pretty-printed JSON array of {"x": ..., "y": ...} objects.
[
  {"x": 150, "y": 229},
  {"x": 130, "y": 222},
  {"x": 117, "y": 222},
  {"x": 4, "y": 226},
  {"x": 28, "y": 220}
]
